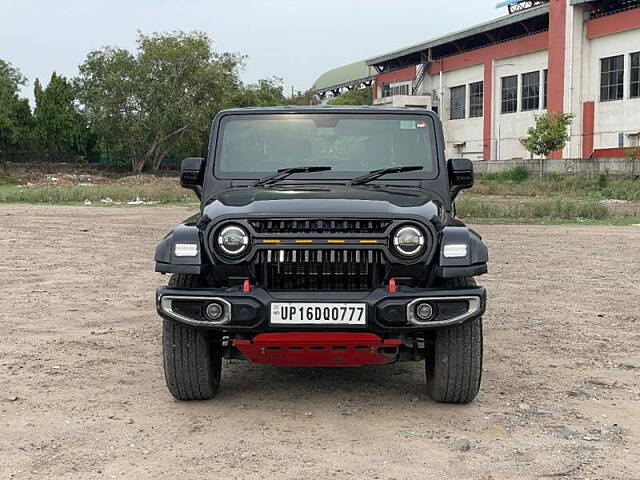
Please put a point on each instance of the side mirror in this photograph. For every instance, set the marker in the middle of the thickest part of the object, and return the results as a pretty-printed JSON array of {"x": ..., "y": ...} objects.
[
  {"x": 192, "y": 174},
  {"x": 460, "y": 175}
]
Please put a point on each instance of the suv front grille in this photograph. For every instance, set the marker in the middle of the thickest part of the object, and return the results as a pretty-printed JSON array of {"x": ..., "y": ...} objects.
[
  {"x": 340, "y": 269},
  {"x": 320, "y": 226}
]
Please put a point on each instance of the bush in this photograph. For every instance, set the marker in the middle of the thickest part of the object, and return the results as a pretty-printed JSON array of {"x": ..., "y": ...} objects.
[{"x": 517, "y": 175}]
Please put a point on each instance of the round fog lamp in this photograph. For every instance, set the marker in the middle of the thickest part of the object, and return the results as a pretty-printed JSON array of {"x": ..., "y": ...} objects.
[
  {"x": 424, "y": 311},
  {"x": 214, "y": 311}
]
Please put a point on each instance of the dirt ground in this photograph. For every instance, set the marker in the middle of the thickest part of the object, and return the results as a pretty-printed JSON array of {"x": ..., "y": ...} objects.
[{"x": 82, "y": 392}]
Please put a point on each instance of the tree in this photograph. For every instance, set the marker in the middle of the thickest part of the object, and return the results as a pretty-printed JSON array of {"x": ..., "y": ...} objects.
[
  {"x": 264, "y": 93},
  {"x": 59, "y": 128},
  {"x": 303, "y": 98},
  {"x": 549, "y": 134},
  {"x": 360, "y": 96},
  {"x": 143, "y": 106},
  {"x": 16, "y": 121}
]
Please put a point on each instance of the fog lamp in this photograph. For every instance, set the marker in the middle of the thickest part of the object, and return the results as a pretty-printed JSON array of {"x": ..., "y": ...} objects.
[
  {"x": 214, "y": 311},
  {"x": 424, "y": 311}
]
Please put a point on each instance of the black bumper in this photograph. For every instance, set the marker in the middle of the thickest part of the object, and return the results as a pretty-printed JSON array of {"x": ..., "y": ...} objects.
[{"x": 387, "y": 312}]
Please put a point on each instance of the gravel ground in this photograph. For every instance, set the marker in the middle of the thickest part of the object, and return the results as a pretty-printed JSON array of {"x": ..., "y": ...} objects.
[{"x": 82, "y": 393}]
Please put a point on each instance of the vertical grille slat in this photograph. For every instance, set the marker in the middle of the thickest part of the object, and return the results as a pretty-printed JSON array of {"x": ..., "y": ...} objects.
[{"x": 339, "y": 269}]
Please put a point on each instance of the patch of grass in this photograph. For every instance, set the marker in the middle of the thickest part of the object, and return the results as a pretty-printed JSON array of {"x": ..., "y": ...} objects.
[
  {"x": 533, "y": 209},
  {"x": 605, "y": 186},
  {"x": 95, "y": 194},
  {"x": 7, "y": 180},
  {"x": 516, "y": 175}
]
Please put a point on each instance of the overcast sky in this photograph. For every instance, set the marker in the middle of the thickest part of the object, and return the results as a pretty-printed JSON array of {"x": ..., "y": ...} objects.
[{"x": 296, "y": 40}]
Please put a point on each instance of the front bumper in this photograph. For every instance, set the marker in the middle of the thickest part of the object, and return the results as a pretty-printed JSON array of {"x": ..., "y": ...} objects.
[{"x": 387, "y": 312}]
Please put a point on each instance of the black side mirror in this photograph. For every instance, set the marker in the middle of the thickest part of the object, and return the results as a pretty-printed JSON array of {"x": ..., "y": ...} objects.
[
  {"x": 460, "y": 175},
  {"x": 192, "y": 174}
]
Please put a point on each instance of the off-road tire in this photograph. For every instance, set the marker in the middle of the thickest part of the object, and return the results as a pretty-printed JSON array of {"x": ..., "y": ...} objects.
[
  {"x": 453, "y": 361},
  {"x": 192, "y": 367}
]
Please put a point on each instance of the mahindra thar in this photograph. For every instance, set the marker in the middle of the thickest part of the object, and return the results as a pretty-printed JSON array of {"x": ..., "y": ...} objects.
[{"x": 326, "y": 237}]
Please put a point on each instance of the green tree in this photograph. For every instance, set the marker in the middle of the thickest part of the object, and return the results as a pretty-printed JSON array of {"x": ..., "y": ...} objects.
[
  {"x": 16, "y": 120},
  {"x": 144, "y": 106},
  {"x": 549, "y": 134},
  {"x": 303, "y": 98},
  {"x": 264, "y": 93},
  {"x": 60, "y": 129},
  {"x": 360, "y": 96}
]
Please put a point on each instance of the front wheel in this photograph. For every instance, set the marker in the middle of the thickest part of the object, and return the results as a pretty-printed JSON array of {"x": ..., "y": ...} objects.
[
  {"x": 453, "y": 360},
  {"x": 192, "y": 368}
]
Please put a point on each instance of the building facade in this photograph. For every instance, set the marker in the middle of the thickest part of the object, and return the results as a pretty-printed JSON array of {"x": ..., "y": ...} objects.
[{"x": 488, "y": 82}]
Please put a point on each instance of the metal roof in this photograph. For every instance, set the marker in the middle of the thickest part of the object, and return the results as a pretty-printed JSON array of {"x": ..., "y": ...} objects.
[
  {"x": 344, "y": 76},
  {"x": 452, "y": 37}
]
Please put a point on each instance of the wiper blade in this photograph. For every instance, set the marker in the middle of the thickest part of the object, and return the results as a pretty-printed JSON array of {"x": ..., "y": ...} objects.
[
  {"x": 383, "y": 171},
  {"x": 285, "y": 172}
]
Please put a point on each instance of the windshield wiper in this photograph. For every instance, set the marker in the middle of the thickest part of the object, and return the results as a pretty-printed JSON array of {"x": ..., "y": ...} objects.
[
  {"x": 285, "y": 172},
  {"x": 383, "y": 171}
]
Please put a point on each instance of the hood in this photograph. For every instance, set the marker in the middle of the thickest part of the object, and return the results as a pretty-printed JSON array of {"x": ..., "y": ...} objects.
[{"x": 324, "y": 200}]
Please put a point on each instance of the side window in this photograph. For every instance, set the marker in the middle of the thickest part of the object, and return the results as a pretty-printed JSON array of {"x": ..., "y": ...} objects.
[
  {"x": 635, "y": 75},
  {"x": 476, "y": 99},
  {"x": 458, "y": 104},
  {"x": 510, "y": 94},
  {"x": 531, "y": 91},
  {"x": 612, "y": 78}
]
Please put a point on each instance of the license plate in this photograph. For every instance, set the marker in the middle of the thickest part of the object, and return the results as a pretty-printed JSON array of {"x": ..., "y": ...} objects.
[{"x": 318, "y": 313}]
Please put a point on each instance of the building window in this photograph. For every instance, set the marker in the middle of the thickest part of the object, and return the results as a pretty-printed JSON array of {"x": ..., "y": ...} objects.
[
  {"x": 510, "y": 94},
  {"x": 635, "y": 75},
  {"x": 531, "y": 91},
  {"x": 546, "y": 88},
  {"x": 400, "y": 90},
  {"x": 458, "y": 105},
  {"x": 612, "y": 78},
  {"x": 386, "y": 90},
  {"x": 476, "y": 99}
]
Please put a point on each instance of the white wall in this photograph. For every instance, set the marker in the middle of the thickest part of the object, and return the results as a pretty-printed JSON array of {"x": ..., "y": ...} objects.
[
  {"x": 465, "y": 130},
  {"x": 620, "y": 116},
  {"x": 510, "y": 128}
]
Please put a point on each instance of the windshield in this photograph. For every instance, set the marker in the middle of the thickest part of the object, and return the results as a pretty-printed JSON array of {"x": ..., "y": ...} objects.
[{"x": 251, "y": 146}]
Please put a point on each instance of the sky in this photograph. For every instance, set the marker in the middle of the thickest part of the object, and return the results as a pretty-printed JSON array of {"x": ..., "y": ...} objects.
[{"x": 296, "y": 40}]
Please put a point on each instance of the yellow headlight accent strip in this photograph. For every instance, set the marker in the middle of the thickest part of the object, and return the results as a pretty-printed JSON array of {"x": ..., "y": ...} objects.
[
  {"x": 271, "y": 241},
  {"x": 336, "y": 241},
  {"x": 304, "y": 241},
  {"x": 368, "y": 241}
]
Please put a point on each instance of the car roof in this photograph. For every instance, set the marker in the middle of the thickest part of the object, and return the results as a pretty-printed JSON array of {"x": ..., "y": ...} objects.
[{"x": 328, "y": 108}]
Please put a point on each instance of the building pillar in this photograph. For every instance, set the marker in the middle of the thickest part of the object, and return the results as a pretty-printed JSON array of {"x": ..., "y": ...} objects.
[
  {"x": 557, "y": 46},
  {"x": 487, "y": 110},
  {"x": 588, "y": 124}
]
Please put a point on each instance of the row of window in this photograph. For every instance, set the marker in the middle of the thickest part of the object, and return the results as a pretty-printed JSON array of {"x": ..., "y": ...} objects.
[
  {"x": 459, "y": 101},
  {"x": 529, "y": 92},
  {"x": 612, "y": 78},
  {"x": 389, "y": 91}
]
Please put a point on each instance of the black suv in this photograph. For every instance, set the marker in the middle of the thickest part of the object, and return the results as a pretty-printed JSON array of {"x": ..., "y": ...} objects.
[{"x": 326, "y": 237}]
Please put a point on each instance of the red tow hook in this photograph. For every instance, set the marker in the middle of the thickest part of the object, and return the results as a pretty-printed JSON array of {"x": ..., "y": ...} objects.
[
  {"x": 246, "y": 287},
  {"x": 392, "y": 286}
]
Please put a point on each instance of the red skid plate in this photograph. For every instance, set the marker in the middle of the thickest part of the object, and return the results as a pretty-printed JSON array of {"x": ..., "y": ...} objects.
[{"x": 325, "y": 349}]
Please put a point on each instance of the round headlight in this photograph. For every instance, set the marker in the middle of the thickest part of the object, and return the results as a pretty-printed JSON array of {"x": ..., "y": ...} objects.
[
  {"x": 408, "y": 241},
  {"x": 233, "y": 240}
]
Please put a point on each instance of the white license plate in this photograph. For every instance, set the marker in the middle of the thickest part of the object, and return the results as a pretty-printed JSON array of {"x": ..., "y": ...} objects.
[{"x": 318, "y": 313}]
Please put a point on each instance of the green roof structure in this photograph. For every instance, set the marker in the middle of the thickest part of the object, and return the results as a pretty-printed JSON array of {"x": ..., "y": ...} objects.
[{"x": 346, "y": 76}]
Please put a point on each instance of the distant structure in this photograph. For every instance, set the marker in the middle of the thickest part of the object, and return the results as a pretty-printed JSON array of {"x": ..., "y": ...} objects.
[
  {"x": 488, "y": 81},
  {"x": 515, "y": 6}
]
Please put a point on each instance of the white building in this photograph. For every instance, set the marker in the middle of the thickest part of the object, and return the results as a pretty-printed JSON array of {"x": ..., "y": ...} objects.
[{"x": 487, "y": 82}]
